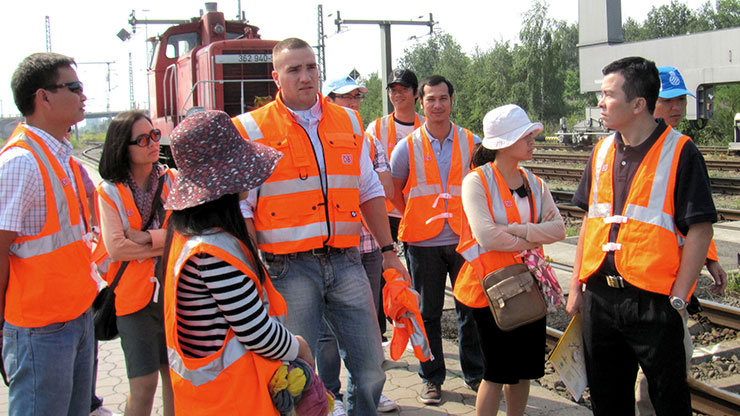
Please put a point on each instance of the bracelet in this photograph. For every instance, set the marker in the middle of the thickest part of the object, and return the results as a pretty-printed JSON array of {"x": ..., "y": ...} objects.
[{"x": 389, "y": 247}]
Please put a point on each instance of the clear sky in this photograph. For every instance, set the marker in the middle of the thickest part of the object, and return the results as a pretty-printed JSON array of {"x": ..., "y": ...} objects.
[{"x": 86, "y": 30}]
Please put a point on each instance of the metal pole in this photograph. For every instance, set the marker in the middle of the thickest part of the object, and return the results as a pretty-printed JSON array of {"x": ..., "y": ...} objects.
[
  {"x": 386, "y": 62},
  {"x": 385, "y": 44},
  {"x": 130, "y": 82},
  {"x": 321, "y": 46}
]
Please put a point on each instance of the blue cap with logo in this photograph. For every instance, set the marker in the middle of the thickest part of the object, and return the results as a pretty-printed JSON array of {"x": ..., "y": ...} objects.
[
  {"x": 342, "y": 85},
  {"x": 671, "y": 83}
]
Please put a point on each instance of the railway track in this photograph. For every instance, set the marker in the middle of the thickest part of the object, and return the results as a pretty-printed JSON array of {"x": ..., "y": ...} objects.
[
  {"x": 731, "y": 165},
  {"x": 719, "y": 185},
  {"x": 706, "y": 150},
  {"x": 705, "y": 398}
]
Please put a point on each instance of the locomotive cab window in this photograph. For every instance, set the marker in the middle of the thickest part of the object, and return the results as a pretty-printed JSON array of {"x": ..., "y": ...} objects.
[{"x": 180, "y": 44}]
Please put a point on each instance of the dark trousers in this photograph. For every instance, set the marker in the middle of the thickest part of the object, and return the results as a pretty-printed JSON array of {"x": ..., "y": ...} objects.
[
  {"x": 429, "y": 267},
  {"x": 626, "y": 327}
]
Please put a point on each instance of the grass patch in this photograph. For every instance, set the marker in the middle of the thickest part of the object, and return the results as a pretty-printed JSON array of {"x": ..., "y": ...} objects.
[{"x": 733, "y": 281}]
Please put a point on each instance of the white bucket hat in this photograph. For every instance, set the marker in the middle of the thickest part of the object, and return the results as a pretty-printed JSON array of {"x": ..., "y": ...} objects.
[{"x": 504, "y": 125}]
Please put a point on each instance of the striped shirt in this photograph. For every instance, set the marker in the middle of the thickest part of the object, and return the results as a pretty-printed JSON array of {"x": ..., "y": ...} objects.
[{"x": 213, "y": 295}]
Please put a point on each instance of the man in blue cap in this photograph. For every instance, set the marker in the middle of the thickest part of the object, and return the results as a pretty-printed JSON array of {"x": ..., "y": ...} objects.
[
  {"x": 347, "y": 93},
  {"x": 671, "y": 107}
]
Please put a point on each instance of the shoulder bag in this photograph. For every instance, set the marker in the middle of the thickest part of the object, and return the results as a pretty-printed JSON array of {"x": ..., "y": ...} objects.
[
  {"x": 104, "y": 305},
  {"x": 512, "y": 293}
]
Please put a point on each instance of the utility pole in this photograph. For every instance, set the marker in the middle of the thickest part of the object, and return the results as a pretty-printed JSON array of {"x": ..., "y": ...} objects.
[
  {"x": 107, "y": 63},
  {"x": 385, "y": 44},
  {"x": 130, "y": 82},
  {"x": 321, "y": 46},
  {"x": 48, "y": 34}
]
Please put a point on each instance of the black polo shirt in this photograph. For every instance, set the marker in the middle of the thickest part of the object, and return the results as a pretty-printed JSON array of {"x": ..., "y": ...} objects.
[{"x": 692, "y": 200}]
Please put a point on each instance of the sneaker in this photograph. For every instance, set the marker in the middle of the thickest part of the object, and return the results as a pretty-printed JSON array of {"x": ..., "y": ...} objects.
[
  {"x": 431, "y": 393},
  {"x": 473, "y": 385},
  {"x": 386, "y": 405},
  {"x": 103, "y": 411},
  {"x": 338, "y": 409}
]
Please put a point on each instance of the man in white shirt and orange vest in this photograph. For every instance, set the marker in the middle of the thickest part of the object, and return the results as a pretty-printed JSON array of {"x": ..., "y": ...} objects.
[
  {"x": 427, "y": 168},
  {"x": 306, "y": 217},
  {"x": 643, "y": 241},
  {"x": 47, "y": 277}
]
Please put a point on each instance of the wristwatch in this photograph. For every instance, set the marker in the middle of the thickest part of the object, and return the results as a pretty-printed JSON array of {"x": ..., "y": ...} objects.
[
  {"x": 389, "y": 247},
  {"x": 678, "y": 303}
]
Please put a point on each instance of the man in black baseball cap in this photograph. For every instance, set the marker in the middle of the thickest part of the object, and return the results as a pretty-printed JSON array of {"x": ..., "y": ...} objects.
[{"x": 404, "y": 77}]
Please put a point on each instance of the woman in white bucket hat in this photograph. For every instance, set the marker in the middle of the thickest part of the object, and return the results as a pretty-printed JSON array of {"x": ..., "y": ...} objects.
[{"x": 509, "y": 210}]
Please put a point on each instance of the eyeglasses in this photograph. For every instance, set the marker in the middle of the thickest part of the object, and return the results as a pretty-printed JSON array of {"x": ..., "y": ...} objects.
[
  {"x": 74, "y": 86},
  {"x": 143, "y": 140},
  {"x": 351, "y": 97}
]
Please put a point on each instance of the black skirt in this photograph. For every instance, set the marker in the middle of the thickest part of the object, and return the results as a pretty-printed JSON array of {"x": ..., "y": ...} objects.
[{"x": 513, "y": 355}]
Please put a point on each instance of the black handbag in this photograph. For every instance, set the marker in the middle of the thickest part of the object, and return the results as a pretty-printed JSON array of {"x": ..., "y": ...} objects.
[
  {"x": 104, "y": 305},
  {"x": 104, "y": 309}
]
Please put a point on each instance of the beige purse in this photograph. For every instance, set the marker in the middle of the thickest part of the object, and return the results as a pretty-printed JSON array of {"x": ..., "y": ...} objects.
[{"x": 513, "y": 296}]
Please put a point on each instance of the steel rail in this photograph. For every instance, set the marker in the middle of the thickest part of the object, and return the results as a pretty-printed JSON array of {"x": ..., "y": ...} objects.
[{"x": 582, "y": 158}]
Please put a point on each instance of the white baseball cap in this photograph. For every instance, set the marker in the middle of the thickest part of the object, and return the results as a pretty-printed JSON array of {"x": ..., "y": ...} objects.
[{"x": 504, "y": 125}]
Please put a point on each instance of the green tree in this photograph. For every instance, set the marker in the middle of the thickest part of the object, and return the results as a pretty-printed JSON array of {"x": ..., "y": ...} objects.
[{"x": 372, "y": 105}]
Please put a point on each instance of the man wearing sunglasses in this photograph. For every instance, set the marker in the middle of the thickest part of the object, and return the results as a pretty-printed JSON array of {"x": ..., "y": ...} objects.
[{"x": 47, "y": 277}]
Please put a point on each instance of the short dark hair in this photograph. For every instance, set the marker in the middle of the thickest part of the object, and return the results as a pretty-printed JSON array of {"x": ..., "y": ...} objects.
[
  {"x": 39, "y": 70},
  {"x": 435, "y": 80},
  {"x": 641, "y": 78},
  {"x": 289, "y": 43},
  {"x": 114, "y": 162}
]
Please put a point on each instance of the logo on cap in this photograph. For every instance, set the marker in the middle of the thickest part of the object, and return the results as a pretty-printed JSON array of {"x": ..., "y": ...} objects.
[{"x": 673, "y": 78}]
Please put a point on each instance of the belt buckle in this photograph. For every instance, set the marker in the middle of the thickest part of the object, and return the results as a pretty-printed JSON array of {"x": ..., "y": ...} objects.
[
  {"x": 615, "y": 281},
  {"x": 321, "y": 251}
]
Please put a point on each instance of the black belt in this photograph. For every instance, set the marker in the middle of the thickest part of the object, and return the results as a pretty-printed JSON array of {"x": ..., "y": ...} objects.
[{"x": 322, "y": 251}]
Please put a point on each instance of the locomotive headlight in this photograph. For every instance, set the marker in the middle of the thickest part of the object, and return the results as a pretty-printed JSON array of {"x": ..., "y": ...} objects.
[{"x": 219, "y": 29}]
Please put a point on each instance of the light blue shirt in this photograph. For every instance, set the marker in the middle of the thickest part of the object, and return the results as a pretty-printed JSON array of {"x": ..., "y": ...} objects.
[{"x": 443, "y": 155}]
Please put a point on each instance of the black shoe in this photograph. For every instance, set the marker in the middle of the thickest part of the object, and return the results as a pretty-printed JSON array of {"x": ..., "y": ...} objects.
[{"x": 431, "y": 393}]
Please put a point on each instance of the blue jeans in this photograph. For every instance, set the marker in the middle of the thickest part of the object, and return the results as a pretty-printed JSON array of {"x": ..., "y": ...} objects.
[
  {"x": 334, "y": 288},
  {"x": 327, "y": 356},
  {"x": 429, "y": 267},
  {"x": 50, "y": 368}
]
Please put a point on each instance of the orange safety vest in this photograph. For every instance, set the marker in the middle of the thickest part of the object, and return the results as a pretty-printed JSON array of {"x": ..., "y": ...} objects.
[
  {"x": 233, "y": 380},
  {"x": 647, "y": 250},
  {"x": 293, "y": 213},
  {"x": 478, "y": 261},
  {"x": 51, "y": 274},
  {"x": 401, "y": 304},
  {"x": 423, "y": 190},
  {"x": 137, "y": 284},
  {"x": 385, "y": 132}
]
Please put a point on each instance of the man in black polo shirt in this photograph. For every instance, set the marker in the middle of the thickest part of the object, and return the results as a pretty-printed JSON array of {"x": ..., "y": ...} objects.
[{"x": 647, "y": 194}]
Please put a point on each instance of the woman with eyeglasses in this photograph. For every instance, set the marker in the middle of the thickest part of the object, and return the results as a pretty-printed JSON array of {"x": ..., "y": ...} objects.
[{"x": 130, "y": 201}]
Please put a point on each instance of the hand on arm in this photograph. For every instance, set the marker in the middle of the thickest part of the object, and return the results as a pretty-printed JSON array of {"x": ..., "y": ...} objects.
[
  {"x": 575, "y": 295},
  {"x": 304, "y": 351},
  {"x": 373, "y": 211},
  {"x": 139, "y": 237}
]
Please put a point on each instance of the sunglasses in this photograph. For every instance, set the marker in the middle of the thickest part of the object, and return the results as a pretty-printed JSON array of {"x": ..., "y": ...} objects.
[
  {"x": 143, "y": 140},
  {"x": 74, "y": 86}
]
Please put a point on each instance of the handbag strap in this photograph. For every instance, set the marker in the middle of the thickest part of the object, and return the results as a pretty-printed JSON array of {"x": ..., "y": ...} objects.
[{"x": 118, "y": 275}]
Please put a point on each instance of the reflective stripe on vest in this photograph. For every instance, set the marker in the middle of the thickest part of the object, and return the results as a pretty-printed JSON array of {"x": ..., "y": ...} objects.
[
  {"x": 653, "y": 213},
  {"x": 647, "y": 246},
  {"x": 233, "y": 349},
  {"x": 425, "y": 195},
  {"x": 280, "y": 227},
  {"x": 67, "y": 233},
  {"x": 385, "y": 130},
  {"x": 498, "y": 211}
]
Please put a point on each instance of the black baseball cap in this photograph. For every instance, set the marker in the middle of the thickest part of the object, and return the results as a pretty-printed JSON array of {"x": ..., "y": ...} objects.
[{"x": 405, "y": 77}]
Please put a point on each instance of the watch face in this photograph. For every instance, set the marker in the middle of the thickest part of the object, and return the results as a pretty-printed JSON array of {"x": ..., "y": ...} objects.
[{"x": 678, "y": 303}]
